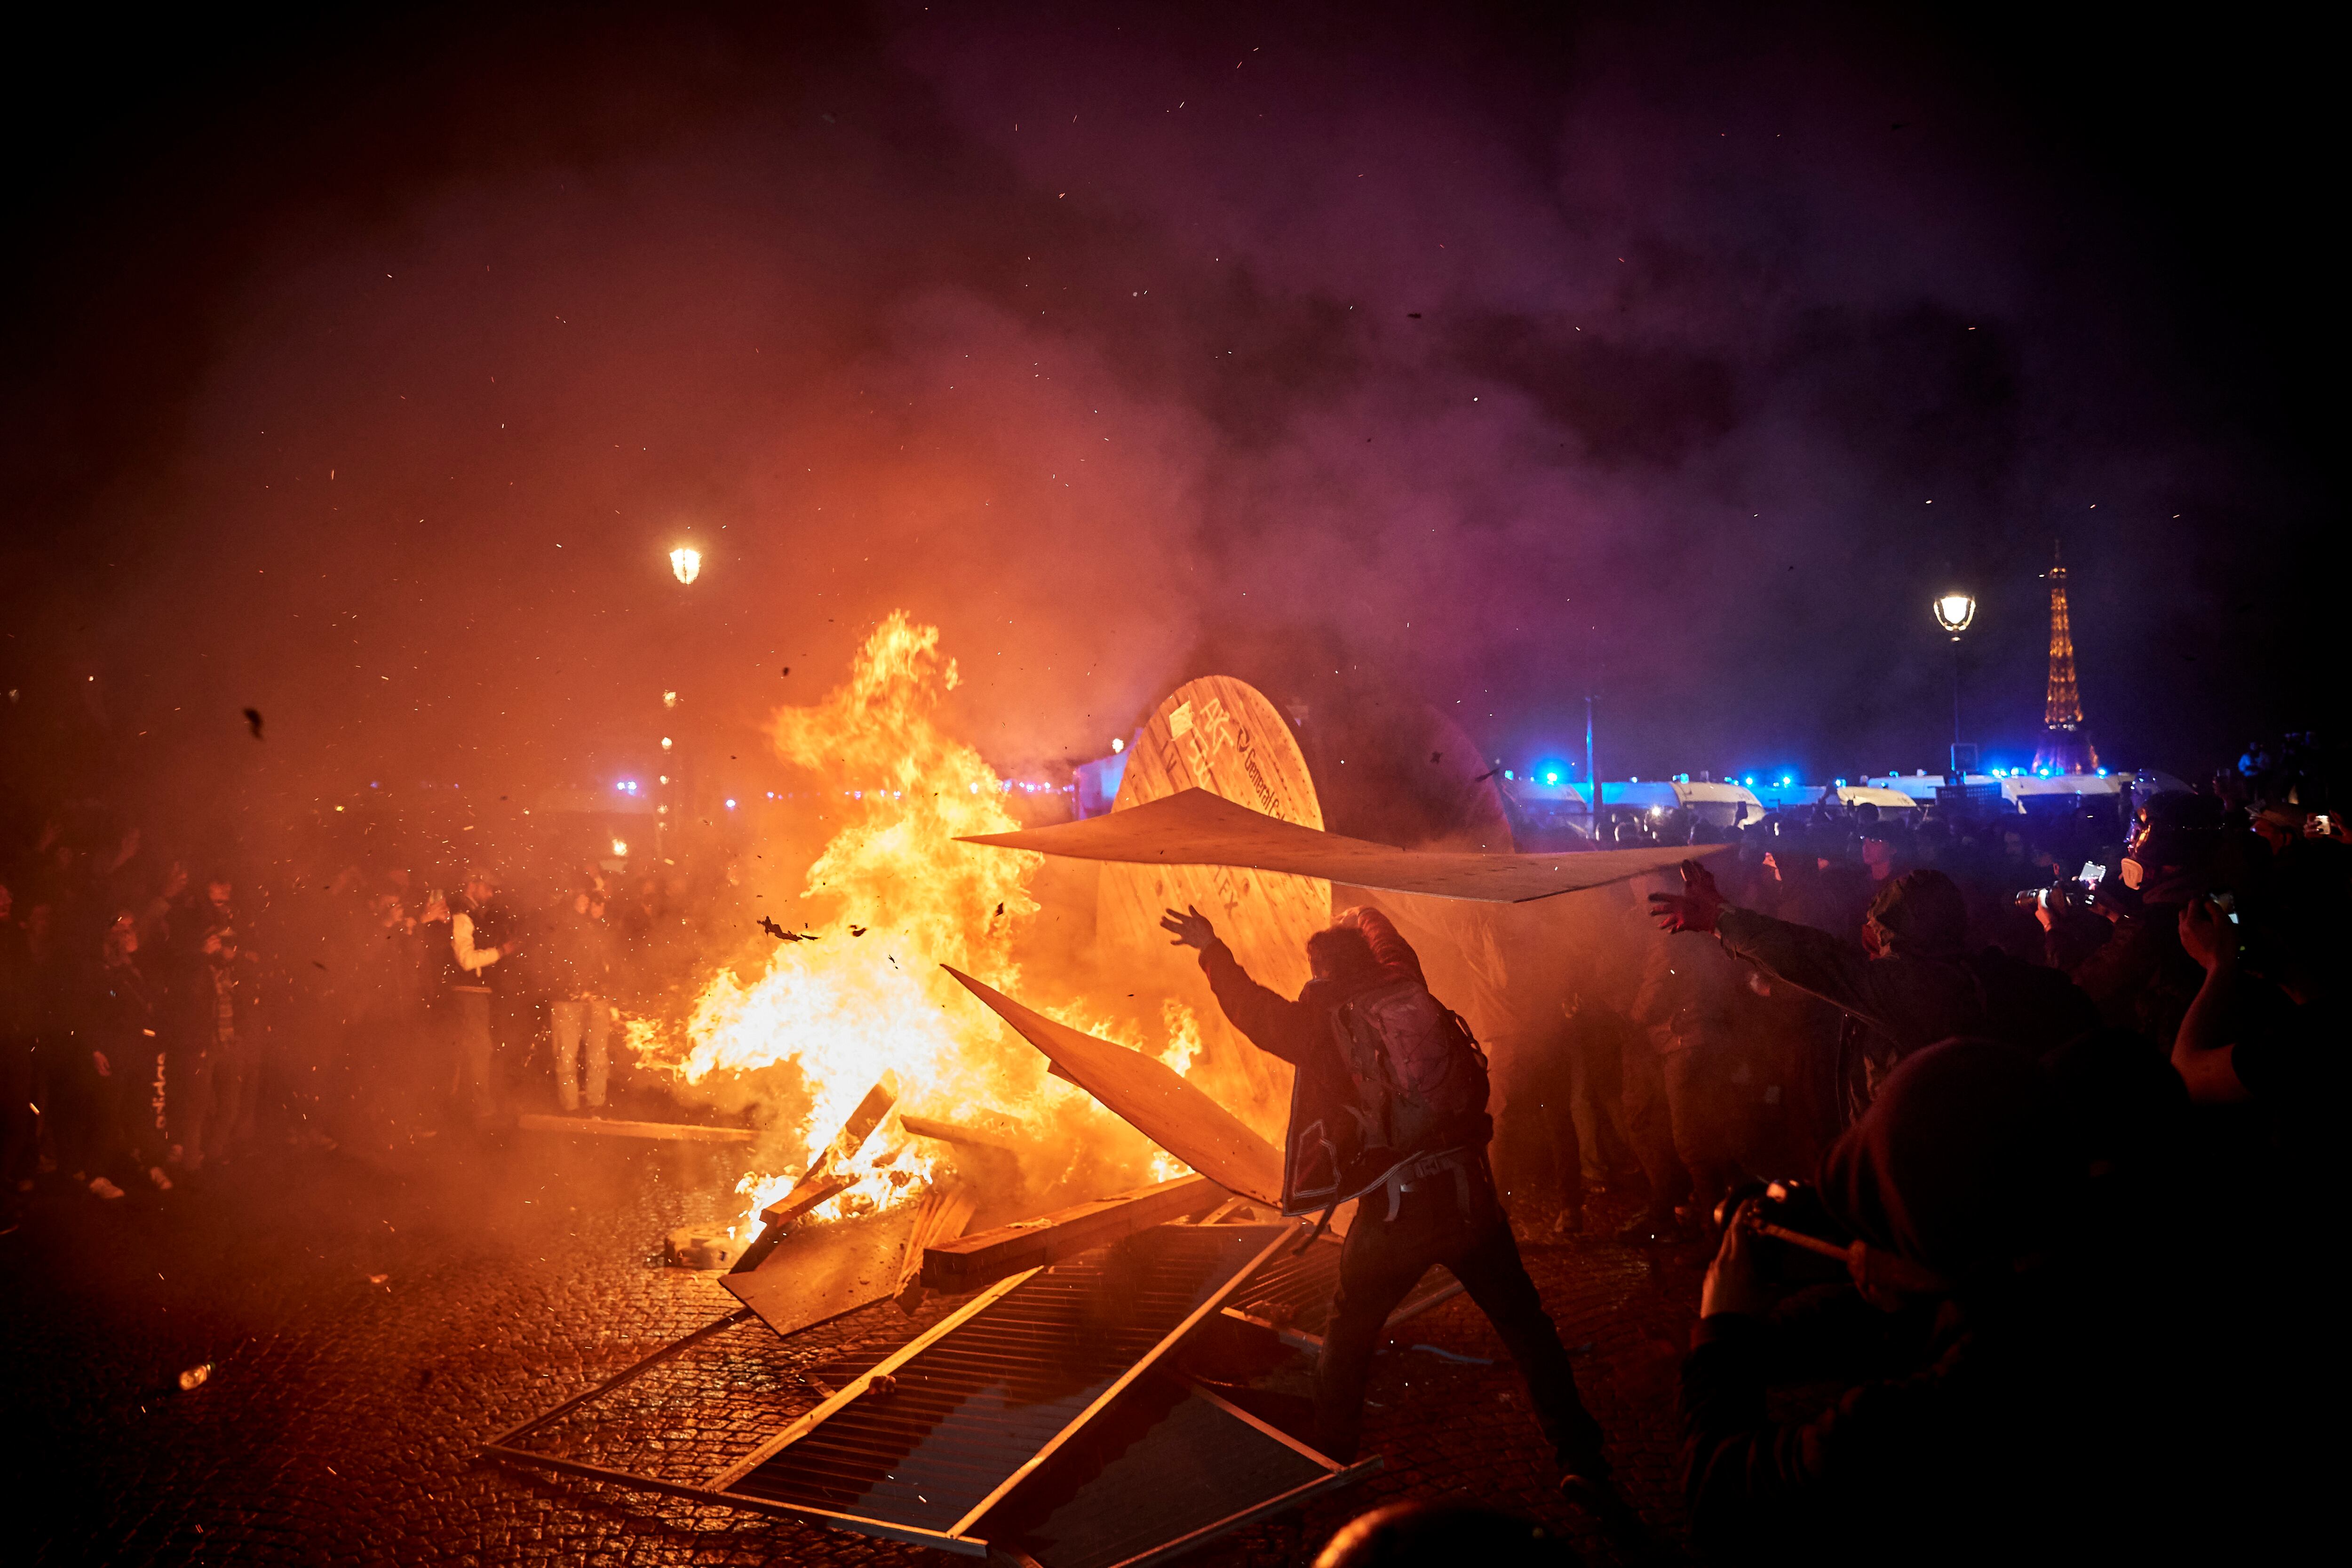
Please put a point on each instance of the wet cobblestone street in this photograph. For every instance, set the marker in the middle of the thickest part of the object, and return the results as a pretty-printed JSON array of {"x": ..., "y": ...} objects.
[{"x": 371, "y": 1319}]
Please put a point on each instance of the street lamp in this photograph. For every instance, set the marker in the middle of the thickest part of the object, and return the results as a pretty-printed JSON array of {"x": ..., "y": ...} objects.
[
  {"x": 1954, "y": 611},
  {"x": 686, "y": 564}
]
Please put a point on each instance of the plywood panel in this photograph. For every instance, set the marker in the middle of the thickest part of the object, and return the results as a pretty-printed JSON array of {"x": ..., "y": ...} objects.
[
  {"x": 1195, "y": 828},
  {"x": 1146, "y": 1094}
]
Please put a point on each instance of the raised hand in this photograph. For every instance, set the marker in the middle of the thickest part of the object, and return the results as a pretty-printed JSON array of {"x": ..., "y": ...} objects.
[
  {"x": 2206, "y": 934},
  {"x": 1190, "y": 927}
]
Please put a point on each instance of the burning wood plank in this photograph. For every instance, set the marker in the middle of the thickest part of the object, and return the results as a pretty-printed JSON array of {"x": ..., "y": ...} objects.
[
  {"x": 822, "y": 1180},
  {"x": 534, "y": 1121},
  {"x": 1193, "y": 827},
  {"x": 975, "y": 1260},
  {"x": 950, "y": 1132}
]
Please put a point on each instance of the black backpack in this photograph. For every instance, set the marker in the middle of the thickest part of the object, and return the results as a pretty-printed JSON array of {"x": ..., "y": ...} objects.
[{"x": 1419, "y": 1076}]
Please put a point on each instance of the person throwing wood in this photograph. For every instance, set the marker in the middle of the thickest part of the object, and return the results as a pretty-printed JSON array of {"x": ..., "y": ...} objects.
[{"x": 1389, "y": 1106}]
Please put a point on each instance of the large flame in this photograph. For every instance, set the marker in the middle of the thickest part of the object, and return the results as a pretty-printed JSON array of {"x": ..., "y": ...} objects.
[{"x": 891, "y": 897}]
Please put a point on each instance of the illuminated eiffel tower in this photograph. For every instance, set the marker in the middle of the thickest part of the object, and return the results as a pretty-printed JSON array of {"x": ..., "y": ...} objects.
[{"x": 2065, "y": 745}]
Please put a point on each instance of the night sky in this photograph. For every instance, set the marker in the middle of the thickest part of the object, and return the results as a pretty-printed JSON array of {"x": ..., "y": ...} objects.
[{"x": 363, "y": 370}]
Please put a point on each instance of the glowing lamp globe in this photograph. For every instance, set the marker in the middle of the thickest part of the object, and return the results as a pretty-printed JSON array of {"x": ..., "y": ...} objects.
[
  {"x": 1954, "y": 612},
  {"x": 686, "y": 564}
]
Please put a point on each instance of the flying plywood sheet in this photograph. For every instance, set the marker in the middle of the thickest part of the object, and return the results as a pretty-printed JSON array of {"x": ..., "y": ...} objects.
[
  {"x": 1195, "y": 827},
  {"x": 1149, "y": 1097}
]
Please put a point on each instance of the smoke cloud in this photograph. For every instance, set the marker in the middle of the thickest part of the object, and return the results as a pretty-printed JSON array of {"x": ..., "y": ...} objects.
[{"x": 1674, "y": 357}]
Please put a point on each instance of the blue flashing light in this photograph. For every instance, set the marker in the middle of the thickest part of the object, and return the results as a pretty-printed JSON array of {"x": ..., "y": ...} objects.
[
  {"x": 1786, "y": 780},
  {"x": 2103, "y": 773},
  {"x": 1506, "y": 774},
  {"x": 1841, "y": 783},
  {"x": 1750, "y": 779},
  {"x": 1551, "y": 778}
]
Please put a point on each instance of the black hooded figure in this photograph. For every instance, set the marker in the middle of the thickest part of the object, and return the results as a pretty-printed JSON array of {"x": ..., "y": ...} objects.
[
  {"x": 1428, "y": 1196},
  {"x": 2019, "y": 1414}
]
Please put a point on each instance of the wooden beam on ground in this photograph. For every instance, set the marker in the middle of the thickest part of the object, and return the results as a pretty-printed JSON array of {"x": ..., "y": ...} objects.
[
  {"x": 533, "y": 1122},
  {"x": 973, "y": 1261}
]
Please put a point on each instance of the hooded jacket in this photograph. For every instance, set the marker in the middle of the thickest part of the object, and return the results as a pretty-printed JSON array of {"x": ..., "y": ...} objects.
[{"x": 1324, "y": 1158}]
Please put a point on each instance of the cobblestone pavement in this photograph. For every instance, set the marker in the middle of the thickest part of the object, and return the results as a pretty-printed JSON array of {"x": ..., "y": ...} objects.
[{"x": 370, "y": 1319}]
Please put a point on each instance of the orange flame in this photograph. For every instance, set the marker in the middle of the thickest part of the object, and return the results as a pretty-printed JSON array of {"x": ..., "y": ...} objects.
[{"x": 845, "y": 1009}]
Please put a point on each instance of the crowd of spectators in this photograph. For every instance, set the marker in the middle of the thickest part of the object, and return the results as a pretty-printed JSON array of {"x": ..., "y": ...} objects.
[
  {"x": 159, "y": 1016},
  {"x": 2051, "y": 1091}
]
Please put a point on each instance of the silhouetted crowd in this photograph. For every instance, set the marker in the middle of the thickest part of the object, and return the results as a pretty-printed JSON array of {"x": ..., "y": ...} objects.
[
  {"x": 159, "y": 1017},
  {"x": 2009, "y": 1129}
]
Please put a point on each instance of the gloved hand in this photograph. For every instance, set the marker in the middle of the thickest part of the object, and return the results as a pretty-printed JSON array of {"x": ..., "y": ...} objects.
[{"x": 1693, "y": 909}]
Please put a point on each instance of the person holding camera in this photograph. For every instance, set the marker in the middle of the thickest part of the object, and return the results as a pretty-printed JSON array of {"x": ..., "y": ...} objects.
[{"x": 2010, "y": 1409}]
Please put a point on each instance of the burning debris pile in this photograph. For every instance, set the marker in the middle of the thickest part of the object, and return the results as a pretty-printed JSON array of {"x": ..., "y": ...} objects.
[
  {"x": 1068, "y": 1409},
  {"x": 858, "y": 1002}
]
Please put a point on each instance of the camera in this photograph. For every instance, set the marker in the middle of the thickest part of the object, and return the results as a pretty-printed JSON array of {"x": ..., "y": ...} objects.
[{"x": 1809, "y": 1246}]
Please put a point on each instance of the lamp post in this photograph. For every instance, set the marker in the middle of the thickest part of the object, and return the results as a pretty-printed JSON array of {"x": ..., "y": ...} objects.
[
  {"x": 685, "y": 565},
  {"x": 1954, "y": 611},
  {"x": 1591, "y": 779}
]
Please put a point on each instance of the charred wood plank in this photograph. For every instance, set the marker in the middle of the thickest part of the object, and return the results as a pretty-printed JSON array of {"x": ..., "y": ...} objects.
[{"x": 973, "y": 1261}]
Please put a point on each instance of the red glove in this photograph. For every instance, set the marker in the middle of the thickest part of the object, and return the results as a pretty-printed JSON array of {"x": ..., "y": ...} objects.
[{"x": 1693, "y": 909}]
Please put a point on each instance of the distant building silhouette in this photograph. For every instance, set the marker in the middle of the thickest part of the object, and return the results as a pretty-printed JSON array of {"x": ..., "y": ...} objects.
[{"x": 2065, "y": 744}]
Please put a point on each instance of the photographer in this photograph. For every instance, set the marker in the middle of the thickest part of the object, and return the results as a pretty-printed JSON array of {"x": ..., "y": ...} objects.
[
  {"x": 2142, "y": 979},
  {"x": 2274, "y": 1037},
  {"x": 2026, "y": 1419}
]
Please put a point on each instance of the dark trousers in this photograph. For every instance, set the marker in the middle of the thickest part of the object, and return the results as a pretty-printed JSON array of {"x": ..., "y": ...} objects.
[
  {"x": 19, "y": 1131},
  {"x": 1383, "y": 1258},
  {"x": 78, "y": 1113},
  {"x": 470, "y": 1018},
  {"x": 1673, "y": 1111},
  {"x": 1597, "y": 1095},
  {"x": 189, "y": 1114},
  {"x": 235, "y": 1088}
]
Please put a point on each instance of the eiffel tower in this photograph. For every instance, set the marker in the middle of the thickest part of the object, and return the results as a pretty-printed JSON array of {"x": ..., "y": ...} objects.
[{"x": 2065, "y": 745}]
